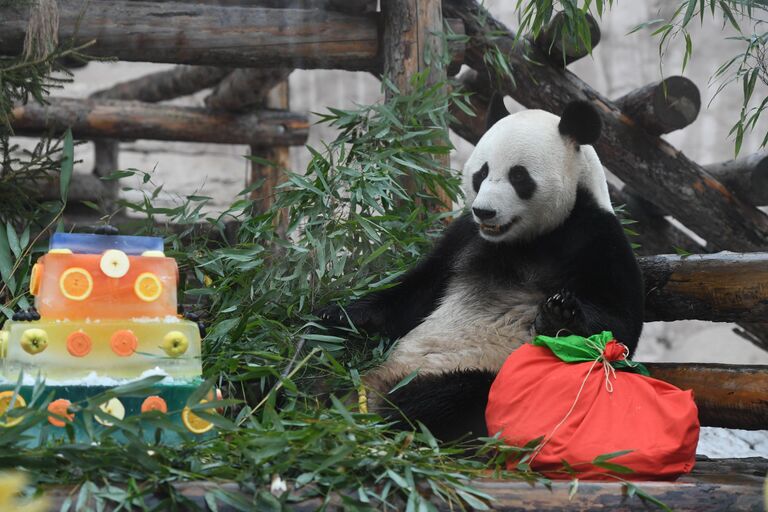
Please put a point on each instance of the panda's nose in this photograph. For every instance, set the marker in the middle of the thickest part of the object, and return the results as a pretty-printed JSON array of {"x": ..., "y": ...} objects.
[{"x": 483, "y": 214}]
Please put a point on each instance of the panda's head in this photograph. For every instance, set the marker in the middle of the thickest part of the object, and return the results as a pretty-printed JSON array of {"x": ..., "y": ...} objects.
[{"x": 521, "y": 180}]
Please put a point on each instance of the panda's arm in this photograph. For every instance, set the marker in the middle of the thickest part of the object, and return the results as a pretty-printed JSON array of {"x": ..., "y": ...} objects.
[
  {"x": 610, "y": 288},
  {"x": 394, "y": 311},
  {"x": 603, "y": 291}
]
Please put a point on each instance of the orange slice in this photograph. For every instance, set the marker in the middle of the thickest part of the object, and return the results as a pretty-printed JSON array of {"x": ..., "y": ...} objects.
[
  {"x": 35, "y": 277},
  {"x": 76, "y": 283},
  {"x": 5, "y": 403},
  {"x": 124, "y": 343},
  {"x": 154, "y": 403},
  {"x": 148, "y": 287},
  {"x": 79, "y": 344},
  {"x": 60, "y": 407},
  {"x": 195, "y": 423}
]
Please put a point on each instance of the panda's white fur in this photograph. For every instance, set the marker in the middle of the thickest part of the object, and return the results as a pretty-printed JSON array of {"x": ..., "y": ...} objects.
[{"x": 531, "y": 138}]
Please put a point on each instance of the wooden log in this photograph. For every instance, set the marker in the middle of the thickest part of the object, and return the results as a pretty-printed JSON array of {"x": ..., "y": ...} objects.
[
  {"x": 664, "y": 106},
  {"x": 165, "y": 85},
  {"x": 411, "y": 44},
  {"x": 82, "y": 187},
  {"x": 274, "y": 173},
  {"x": 655, "y": 234},
  {"x": 151, "y": 88},
  {"x": 720, "y": 287},
  {"x": 245, "y": 88},
  {"x": 132, "y": 120},
  {"x": 713, "y": 486},
  {"x": 668, "y": 179},
  {"x": 731, "y": 396},
  {"x": 470, "y": 128},
  {"x": 746, "y": 176},
  {"x": 561, "y": 47},
  {"x": 211, "y": 35}
]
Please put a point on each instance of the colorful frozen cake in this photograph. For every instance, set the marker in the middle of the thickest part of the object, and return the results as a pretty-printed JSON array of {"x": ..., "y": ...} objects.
[{"x": 105, "y": 315}]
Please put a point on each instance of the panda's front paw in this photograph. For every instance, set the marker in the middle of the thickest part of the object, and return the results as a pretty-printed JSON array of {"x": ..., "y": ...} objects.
[
  {"x": 561, "y": 313},
  {"x": 358, "y": 315}
]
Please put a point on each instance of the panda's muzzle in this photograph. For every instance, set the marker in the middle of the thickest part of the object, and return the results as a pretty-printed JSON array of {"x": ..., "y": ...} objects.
[{"x": 497, "y": 229}]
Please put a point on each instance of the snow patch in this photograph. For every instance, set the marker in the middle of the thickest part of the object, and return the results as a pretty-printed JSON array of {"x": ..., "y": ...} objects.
[
  {"x": 94, "y": 379},
  {"x": 732, "y": 443}
]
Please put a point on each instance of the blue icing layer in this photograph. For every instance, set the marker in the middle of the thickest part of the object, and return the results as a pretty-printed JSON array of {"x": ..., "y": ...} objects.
[{"x": 87, "y": 243}]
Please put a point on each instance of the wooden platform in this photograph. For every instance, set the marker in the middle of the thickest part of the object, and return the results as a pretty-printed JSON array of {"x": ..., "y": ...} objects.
[{"x": 714, "y": 485}]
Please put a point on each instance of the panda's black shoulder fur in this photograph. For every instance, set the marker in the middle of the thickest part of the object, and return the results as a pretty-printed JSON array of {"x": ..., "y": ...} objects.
[{"x": 588, "y": 256}]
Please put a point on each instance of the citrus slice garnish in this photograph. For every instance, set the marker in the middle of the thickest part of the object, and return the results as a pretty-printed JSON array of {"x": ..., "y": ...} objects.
[
  {"x": 5, "y": 403},
  {"x": 79, "y": 344},
  {"x": 35, "y": 278},
  {"x": 60, "y": 407},
  {"x": 113, "y": 407},
  {"x": 76, "y": 283},
  {"x": 153, "y": 254},
  {"x": 148, "y": 287},
  {"x": 154, "y": 403},
  {"x": 195, "y": 423},
  {"x": 124, "y": 343},
  {"x": 114, "y": 263}
]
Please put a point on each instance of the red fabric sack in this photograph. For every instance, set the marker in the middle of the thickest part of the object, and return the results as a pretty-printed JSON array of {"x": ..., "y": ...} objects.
[{"x": 583, "y": 411}]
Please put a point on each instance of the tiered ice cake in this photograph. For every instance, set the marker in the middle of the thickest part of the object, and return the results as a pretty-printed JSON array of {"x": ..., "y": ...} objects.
[{"x": 106, "y": 314}]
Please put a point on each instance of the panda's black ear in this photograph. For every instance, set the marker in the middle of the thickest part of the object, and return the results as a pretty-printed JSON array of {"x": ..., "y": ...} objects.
[
  {"x": 581, "y": 122},
  {"x": 496, "y": 110}
]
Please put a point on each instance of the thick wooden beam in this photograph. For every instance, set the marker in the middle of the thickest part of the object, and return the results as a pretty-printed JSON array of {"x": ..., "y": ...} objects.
[
  {"x": 272, "y": 174},
  {"x": 714, "y": 485},
  {"x": 667, "y": 178},
  {"x": 664, "y": 106},
  {"x": 731, "y": 396},
  {"x": 165, "y": 85},
  {"x": 411, "y": 44},
  {"x": 132, "y": 120},
  {"x": 212, "y": 35},
  {"x": 245, "y": 88},
  {"x": 561, "y": 47},
  {"x": 747, "y": 176},
  {"x": 722, "y": 287},
  {"x": 655, "y": 234}
]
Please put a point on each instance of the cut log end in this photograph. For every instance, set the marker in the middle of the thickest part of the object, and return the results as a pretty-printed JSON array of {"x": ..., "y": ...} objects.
[
  {"x": 664, "y": 106},
  {"x": 746, "y": 177},
  {"x": 677, "y": 102},
  {"x": 564, "y": 48}
]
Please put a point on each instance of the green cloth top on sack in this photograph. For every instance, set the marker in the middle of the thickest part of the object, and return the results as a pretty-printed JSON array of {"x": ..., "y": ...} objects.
[{"x": 577, "y": 349}]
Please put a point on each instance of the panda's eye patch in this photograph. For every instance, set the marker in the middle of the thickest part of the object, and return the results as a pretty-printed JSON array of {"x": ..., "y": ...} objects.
[
  {"x": 479, "y": 176},
  {"x": 522, "y": 181}
]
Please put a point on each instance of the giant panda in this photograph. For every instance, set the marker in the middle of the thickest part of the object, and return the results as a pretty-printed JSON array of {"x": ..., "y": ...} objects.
[{"x": 538, "y": 251}]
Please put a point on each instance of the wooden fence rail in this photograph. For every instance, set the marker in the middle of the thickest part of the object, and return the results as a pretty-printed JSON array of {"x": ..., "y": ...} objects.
[{"x": 211, "y": 35}]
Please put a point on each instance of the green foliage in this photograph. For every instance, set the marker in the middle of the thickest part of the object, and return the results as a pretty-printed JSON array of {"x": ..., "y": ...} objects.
[
  {"x": 744, "y": 68},
  {"x": 536, "y": 14}
]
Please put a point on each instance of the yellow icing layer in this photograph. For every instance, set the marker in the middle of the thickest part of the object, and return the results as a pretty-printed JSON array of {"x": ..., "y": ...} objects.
[{"x": 76, "y": 349}]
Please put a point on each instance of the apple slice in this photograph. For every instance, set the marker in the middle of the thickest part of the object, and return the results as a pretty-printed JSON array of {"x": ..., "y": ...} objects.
[
  {"x": 114, "y": 263},
  {"x": 114, "y": 408}
]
